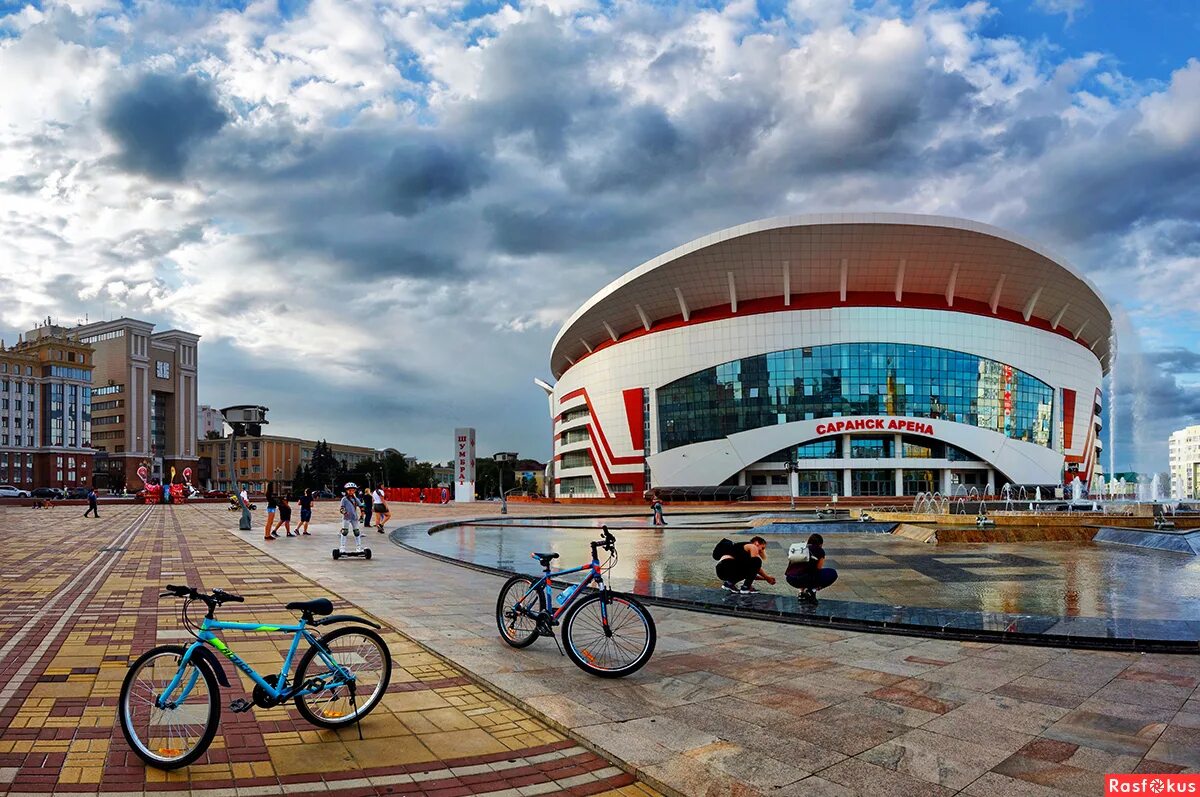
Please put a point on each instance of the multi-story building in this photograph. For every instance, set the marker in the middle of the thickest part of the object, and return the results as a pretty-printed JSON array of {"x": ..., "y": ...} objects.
[
  {"x": 211, "y": 422},
  {"x": 45, "y": 410},
  {"x": 1183, "y": 451},
  {"x": 269, "y": 459},
  {"x": 877, "y": 354},
  {"x": 144, "y": 393}
]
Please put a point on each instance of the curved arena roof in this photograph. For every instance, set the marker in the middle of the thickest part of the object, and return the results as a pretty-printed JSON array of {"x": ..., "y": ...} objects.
[{"x": 843, "y": 259}]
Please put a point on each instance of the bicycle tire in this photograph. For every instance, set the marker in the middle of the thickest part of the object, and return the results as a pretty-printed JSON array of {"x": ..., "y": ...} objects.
[
  {"x": 577, "y": 650},
  {"x": 320, "y": 718},
  {"x": 214, "y": 709},
  {"x": 514, "y": 640}
]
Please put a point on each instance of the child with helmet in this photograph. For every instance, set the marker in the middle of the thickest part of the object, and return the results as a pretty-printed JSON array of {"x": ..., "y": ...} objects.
[{"x": 349, "y": 507}]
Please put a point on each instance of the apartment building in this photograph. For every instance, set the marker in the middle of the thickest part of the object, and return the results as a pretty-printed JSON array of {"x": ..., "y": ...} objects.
[
  {"x": 45, "y": 409},
  {"x": 1183, "y": 452},
  {"x": 268, "y": 459},
  {"x": 144, "y": 399}
]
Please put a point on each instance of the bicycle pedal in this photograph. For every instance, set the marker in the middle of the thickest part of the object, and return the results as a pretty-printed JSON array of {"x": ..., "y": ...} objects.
[{"x": 240, "y": 706}]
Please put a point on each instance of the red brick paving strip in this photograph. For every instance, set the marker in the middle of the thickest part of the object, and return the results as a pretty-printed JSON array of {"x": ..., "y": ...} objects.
[{"x": 435, "y": 733}]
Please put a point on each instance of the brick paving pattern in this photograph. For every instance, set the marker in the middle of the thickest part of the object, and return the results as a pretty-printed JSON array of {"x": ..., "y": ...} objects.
[
  {"x": 732, "y": 706},
  {"x": 79, "y": 601}
]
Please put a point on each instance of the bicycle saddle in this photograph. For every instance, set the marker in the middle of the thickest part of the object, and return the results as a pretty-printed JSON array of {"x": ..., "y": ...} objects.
[
  {"x": 546, "y": 558},
  {"x": 317, "y": 606}
]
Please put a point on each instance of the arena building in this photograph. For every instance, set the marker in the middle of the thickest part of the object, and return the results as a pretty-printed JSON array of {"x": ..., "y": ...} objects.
[{"x": 885, "y": 354}]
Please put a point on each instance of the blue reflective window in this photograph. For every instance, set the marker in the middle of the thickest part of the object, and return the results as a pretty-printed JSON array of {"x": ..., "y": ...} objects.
[{"x": 853, "y": 379}]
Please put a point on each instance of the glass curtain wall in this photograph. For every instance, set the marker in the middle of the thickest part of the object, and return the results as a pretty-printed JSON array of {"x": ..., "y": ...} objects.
[{"x": 854, "y": 379}]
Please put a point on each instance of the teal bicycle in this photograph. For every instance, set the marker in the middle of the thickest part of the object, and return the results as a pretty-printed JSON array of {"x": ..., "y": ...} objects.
[{"x": 170, "y": 703}]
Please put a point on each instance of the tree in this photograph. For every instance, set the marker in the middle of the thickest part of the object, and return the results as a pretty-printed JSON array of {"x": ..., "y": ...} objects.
[{"x": 324, "y": 468}]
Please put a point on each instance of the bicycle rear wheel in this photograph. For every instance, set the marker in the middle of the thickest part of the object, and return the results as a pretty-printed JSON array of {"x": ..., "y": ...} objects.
[
  {"x": 178, "y": 733},
  {"x": 623, "y": 649},
  {"x": 366, "y": 656},
  {"x": 517, "y": 628}
]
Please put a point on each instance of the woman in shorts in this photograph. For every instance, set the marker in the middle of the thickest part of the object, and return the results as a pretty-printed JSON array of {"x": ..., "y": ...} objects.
[
  {"x": 382, "y": 513},
  {"x": 285, "y": 515},
  {"x": 305, "y": 502},
  {"x": 272, "y": 505}
]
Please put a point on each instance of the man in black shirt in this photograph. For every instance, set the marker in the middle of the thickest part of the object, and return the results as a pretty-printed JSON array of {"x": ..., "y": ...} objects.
[
  {"x": 810, "y": 576},
  {"x": 368, "y": 506}
]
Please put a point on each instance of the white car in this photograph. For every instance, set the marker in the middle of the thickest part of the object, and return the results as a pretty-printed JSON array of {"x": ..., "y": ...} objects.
[{"x": 8, "y": 491}]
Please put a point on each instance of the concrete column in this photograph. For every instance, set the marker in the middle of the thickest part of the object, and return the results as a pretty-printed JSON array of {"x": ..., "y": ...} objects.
[
  {"x": 946, "y": 484},
  {"x": 991, "y": 479},
  {"x": 899, "y": 480},
  {"x": 896, "y": 450},
  {"x": 846, "y": 447},
  {"x": 847, "y": 484}
]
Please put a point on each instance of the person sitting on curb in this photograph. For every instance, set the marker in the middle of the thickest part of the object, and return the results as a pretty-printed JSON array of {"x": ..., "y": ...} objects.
[
  {"x": 741, "y": 562},
  {"x": 811, "y": 574}
]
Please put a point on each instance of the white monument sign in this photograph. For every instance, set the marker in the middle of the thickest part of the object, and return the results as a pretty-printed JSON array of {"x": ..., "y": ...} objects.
[{"x": 464, "y": 465}]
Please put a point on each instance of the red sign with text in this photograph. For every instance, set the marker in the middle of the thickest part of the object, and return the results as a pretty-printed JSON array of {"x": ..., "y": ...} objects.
[{"x": 876, "y": 424}]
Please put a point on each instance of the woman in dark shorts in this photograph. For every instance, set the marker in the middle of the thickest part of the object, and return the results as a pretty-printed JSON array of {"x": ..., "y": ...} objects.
[
  {"x": 305, "y": 511},
  {"x": 810, "y": 576},
  {"x": 285, "y": 514}
]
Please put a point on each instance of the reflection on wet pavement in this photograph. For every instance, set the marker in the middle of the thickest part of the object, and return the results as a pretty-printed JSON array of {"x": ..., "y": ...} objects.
[{"x": 1051, "y": 579}]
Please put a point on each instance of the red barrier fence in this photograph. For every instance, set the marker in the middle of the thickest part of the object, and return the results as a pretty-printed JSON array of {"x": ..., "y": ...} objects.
[{"x": 418, "y": 495}]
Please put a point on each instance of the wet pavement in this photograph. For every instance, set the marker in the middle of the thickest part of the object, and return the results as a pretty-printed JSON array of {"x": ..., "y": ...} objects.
[
  {"x": 732, "y": 706},
  {"x": 1072, "y": 589}
]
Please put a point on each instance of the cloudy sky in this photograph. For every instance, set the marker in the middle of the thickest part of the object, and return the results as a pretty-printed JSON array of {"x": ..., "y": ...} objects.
[{"x": 377, "y": 214}]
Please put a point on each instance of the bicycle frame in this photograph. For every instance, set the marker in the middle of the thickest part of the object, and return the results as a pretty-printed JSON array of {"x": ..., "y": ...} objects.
[
  {"x": 546, "y": 586},
  {"x": 277, "y": 691}
]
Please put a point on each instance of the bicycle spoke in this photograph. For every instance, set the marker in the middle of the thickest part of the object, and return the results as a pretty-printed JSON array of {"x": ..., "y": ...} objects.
[{"x": 173, "y": 731}]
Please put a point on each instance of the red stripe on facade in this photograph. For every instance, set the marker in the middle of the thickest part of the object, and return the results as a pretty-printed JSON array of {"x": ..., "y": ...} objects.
[
  {"x": 827, "y": 301},
  {"x": 1068, "y": 397},
  {"x": 635, "y": 414}
]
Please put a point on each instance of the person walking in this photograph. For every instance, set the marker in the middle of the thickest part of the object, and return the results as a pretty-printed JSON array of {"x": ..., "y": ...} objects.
[
  {"x": 244, "y": 524},
  {"x": 741, "y": 562},
  {"x": 368, "y": 507},
  {"x": 91, "y": 496},
  {"x": 656, "y": 508},
  {"x": 382, "y": 513},
  {"x": 305, "y": 502},
  {"x": 284, "y": 511},
  {"x": 272, "y": 505}
]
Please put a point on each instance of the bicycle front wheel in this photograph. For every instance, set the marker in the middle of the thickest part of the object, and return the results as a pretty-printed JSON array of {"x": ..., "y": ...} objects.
[
  {"x": 622, "y": 649},
  {"x": 169, "y": 731},
  {"x": 516, "y": 627},
  {"x": 362, "y": 653}
]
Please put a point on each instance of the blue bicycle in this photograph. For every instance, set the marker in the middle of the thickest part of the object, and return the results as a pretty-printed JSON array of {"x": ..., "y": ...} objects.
[
  {"x": 170, "y": 704},
  {"x": 605, "y": 634}
]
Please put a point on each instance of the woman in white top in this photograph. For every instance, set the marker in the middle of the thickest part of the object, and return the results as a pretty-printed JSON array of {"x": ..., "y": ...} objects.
[{"x": 382, "y": 513}]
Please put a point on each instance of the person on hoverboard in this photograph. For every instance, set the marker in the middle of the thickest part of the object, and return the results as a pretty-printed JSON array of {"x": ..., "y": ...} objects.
[{"x": 350, "y": 506}]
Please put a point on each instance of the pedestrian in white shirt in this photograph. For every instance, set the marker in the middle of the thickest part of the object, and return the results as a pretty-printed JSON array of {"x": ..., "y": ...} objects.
[{"x": 382, "y": 513}]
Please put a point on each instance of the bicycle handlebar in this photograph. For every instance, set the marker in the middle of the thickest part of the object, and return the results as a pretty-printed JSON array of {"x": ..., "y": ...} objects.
[{"x": 218, "y": 596}]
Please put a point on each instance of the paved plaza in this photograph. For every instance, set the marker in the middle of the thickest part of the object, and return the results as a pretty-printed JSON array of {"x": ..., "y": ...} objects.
[
  {"x": 727, "y": 706},
  {"x": 732, "y": 706},
  {"x": 79, "y": 600}
]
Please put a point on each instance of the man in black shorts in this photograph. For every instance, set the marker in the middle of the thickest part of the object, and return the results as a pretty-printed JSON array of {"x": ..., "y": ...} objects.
[{"x": 742, "y": 562}]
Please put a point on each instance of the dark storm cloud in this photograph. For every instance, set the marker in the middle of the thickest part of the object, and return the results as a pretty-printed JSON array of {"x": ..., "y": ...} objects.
[
  {"x": 536, "y": 81},
  {"x": 159, "y": 119},
  {"x": 521, "y": 231},
  {"x": 1113, "y": 182},
  {"x": 1176, "y": 361},
  {"x": 421, "y": 173},
  {"x": 369, "y": 252}
]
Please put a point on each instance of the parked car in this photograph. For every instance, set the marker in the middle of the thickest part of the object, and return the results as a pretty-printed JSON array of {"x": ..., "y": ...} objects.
[
  {"x": 52, "y": 493},
  {"x": 9, "y": 491},
  {"x": 323, "y": 494},
  {"x": 77, "y": 492}
]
